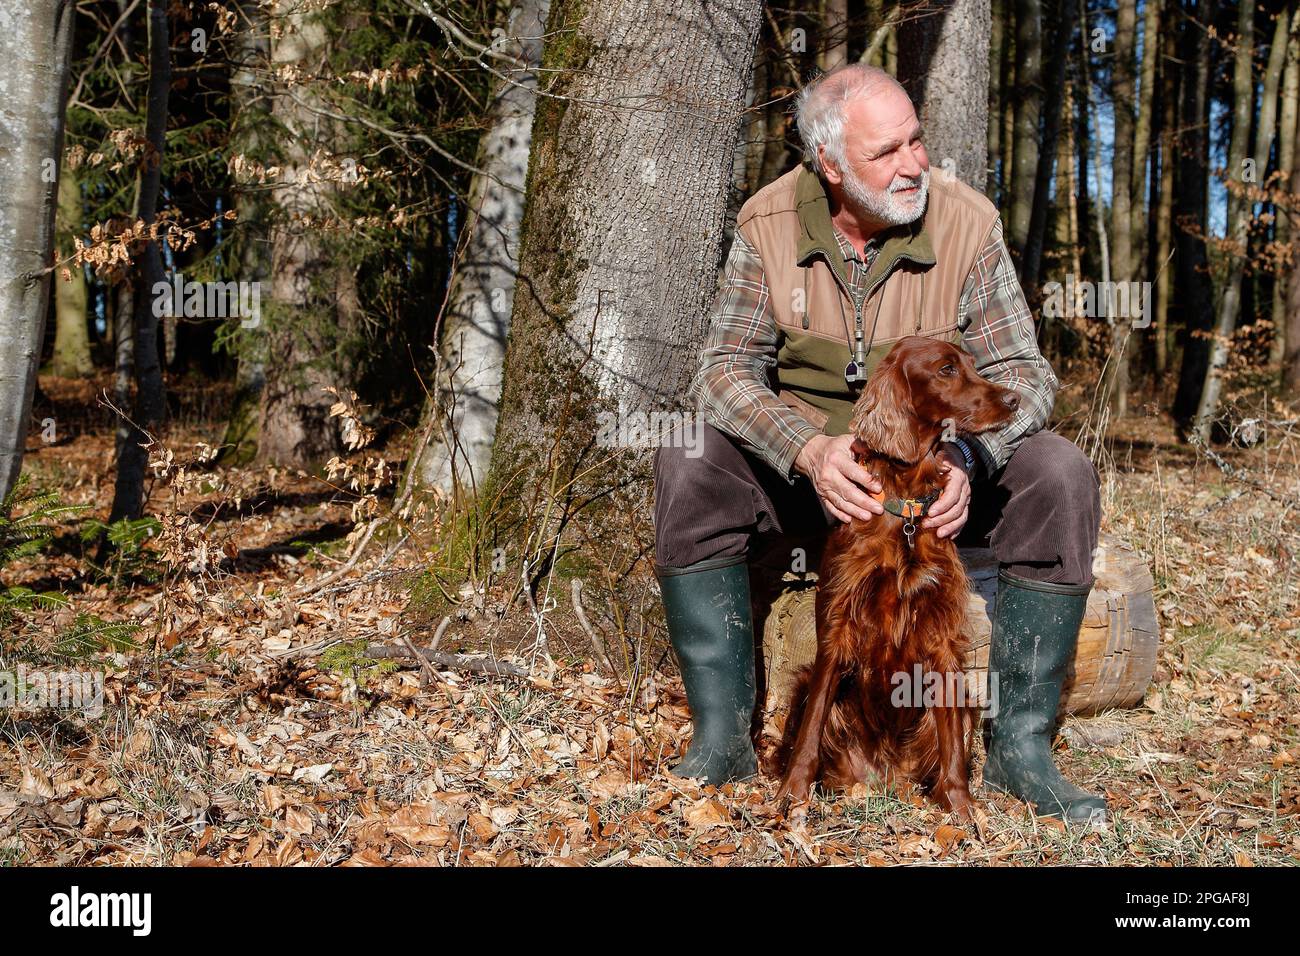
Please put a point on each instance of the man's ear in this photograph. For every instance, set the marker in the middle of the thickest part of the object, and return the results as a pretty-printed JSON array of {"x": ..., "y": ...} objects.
[
  {"x": 829, "y": 169},
  {"x": 884, "y": 419}
]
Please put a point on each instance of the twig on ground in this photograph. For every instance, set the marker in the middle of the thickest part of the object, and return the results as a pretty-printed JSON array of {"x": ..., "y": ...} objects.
[{"x": 452, "y": 662}]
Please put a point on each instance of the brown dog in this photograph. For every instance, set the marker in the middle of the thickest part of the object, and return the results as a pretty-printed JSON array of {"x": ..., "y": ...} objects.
[{"x": 891, "y": 595}]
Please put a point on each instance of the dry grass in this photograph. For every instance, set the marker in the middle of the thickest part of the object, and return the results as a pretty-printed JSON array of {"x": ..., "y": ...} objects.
[{"x": 226, "y": 741}]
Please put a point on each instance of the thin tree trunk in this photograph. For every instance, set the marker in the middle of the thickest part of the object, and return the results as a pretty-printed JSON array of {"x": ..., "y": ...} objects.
[
  {"x": 1165, "y": 208},
  {"x": 71, "y": 338},
  {"x": 833, "y": 51},
  {"x": 1286, "y": 163},
  {"x": 997, "y": 53},
  {"x": 1142, "y": 152},
  {"x": 1063, "y": 35},
  {"x": 1028, "y": 105},
  {"x": 465, "y": 406},
  {"x": 1083, "y": 146},
  {"x": 1238, "y": 221},
  {"x": 943, "y": 63},
  {"x": 1121, "y": 200},
  {"x": 1103, "y": 301},
  {"x": 148, "y": 408},
  {"x": 35, "y": 45},
  {"x": 1007, "y": 113},
  {"x": 1196, "y": 293}
]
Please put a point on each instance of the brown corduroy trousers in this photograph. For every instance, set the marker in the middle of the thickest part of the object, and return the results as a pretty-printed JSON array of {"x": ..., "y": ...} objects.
[{"x": 1040, "y": 513}]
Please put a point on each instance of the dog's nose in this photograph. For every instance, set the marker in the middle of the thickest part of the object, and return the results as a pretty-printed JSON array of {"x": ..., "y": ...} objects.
[{"x": 1011, "y": 400}]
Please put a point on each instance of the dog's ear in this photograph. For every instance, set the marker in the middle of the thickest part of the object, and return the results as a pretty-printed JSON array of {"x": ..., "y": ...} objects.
[{"x": 883, "y": 418}]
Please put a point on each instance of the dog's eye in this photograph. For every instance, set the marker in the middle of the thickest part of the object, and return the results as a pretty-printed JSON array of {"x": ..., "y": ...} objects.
[{"x": 948, "y": 370}]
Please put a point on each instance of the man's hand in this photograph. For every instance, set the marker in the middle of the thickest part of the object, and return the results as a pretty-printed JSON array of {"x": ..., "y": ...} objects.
[
  {"x": 838, "y": 478},
  {"x": 949, "y": 512}
]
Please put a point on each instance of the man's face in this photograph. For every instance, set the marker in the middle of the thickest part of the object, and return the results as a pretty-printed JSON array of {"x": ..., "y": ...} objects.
[{"x": 885, "y": 177}]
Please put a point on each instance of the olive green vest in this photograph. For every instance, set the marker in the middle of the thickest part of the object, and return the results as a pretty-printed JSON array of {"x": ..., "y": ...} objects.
[{"x": 913, "y": 287}]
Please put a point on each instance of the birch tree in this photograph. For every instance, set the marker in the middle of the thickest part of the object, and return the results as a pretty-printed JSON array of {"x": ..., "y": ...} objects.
[{"x": 36, "y": 46}]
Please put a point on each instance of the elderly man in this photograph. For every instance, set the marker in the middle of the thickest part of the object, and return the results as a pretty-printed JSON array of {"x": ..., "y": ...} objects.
[{"x": 831, "y": 265}]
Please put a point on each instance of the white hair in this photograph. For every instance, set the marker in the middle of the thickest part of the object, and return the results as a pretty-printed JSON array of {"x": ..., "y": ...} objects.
[{"x": 819, "y": 107}]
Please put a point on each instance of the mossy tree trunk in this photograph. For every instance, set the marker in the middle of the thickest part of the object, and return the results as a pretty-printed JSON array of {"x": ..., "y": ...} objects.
[
  {"x": 71, "y": 337},
  {"x": 632, "y": 154}
]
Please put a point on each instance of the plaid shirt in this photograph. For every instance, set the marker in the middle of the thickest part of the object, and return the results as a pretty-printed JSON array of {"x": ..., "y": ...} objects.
[{"x": 740, "y": 353}]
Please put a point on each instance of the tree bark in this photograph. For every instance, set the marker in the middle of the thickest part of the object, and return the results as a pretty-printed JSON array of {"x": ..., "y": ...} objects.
[
  {"x": 1121, "y": 200},
  {"x": 943, "y": 63},
  {"x": 1196, "y": 293},
  {"x": 1238, "y": 221},
  {"x": 313, "y": 300},
  {"x": 1286, "y": 164},
  {"x": 1028, "y": 105},
  {"x": 1165, "y": 203},
  {"x": 461, "y": 417},
  {"x": 1142, "y": 154},
  {"x": 71, "y": 338},
  {"x": 997, "y": 95},
  {"x": 1031, "y": 261},
  {"x": 250, "y": 126},
  {"x": 35, "y": 45},
  {"x": 147, "y": 410},
  {"x": 834, "y": 48},
  {"x": 627, "y": 185}
]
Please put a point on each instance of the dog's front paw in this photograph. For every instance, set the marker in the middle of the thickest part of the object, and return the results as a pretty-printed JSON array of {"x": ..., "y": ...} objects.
[{"x": 793, "y": 791}]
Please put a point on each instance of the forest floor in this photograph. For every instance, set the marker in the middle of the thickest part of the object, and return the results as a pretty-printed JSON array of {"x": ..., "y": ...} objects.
[{"x": 248, "y": 725}]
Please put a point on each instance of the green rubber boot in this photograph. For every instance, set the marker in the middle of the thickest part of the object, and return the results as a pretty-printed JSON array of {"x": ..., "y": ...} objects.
[
  {"x": 1035, "y": 630},
  {"x": 711, "y": 629}
]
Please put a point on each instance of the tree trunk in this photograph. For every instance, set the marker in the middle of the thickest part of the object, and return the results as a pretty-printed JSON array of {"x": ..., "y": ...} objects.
[
  {"x": 1083, "y": 136},
  {"x": 36, "y": 45},
  {"x": 997, "y": 96},
  {"x": 147, "y": 410},
  {"x": 1121, "y": 215},
  {"x": 1165, "y": 207},
  {"x": 461, "y": 417},
  {"x": 943, "y": 63},
  {"x": 627, "y": 186},
  {"x": 71, "y": 338},
  {"x": 250, "y": 124},
  {"x": 834, "y": 48},
  {"x": 1142, "y": 153},
  {"x": 1286, "y": 163},
  {"x": 1031, "y": 261},
  {"x": 1007, "y": 114},
  {"x": 313, "y": 293},
  {"x": 1238, "y": 220},
  {"x": 1196, "y": 293},
  {"x": 1028, "y": 105}
]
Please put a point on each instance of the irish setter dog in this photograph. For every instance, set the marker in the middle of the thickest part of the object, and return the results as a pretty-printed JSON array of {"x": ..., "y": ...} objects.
[{"x": 891, "y": 595}]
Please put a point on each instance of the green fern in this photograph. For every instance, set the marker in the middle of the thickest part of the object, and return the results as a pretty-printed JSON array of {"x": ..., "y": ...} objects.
[
  {"x": 90, "y": 635},
  {"x": 28, "y": 519}
]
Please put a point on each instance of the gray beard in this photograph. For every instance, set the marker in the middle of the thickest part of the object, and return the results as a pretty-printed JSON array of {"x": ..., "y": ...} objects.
[{"x": 881, "y": 206}]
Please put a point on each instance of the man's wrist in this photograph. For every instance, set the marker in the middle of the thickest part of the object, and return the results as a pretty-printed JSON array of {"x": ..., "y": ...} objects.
[{"x": 965, "y": 456}]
